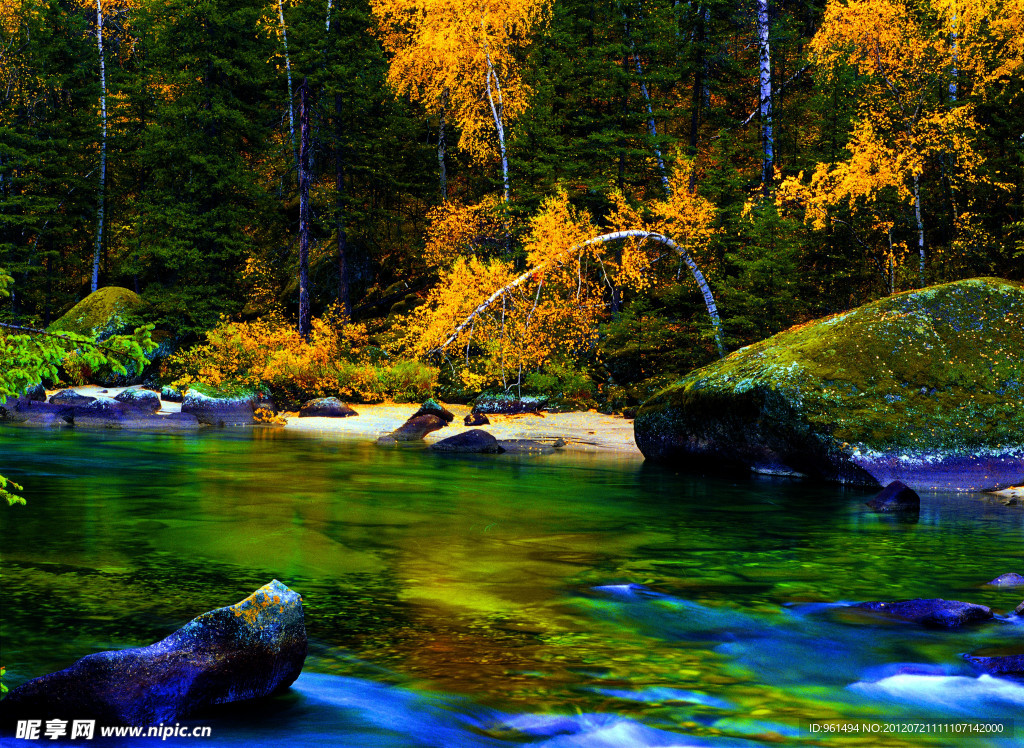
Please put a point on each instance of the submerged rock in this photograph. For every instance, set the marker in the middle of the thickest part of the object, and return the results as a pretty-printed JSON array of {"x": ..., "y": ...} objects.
[
  {"x": 433, "y": 408},
  {"x": 526, "y": 446},
  {"x": 476, "y": 419},
  {"x": 326, "y": 407},
  {"x": 1010, "y": 579},
  {"x": 896, "y": 497},
  {"x": 932, "y": 612},
  {"x": 253, "y": 648},
  {"x": 925, "y": 387},
  {"x": 1009, "y": 665},
  {"x": 474, "y": 440}
]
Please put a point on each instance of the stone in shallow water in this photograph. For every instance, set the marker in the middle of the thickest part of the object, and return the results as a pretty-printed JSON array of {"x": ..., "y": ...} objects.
[
  {"x": 1010, "y": 665},
  {"x": 247, "y": 650},
  {"x": 932, "y": 612},
  {"x": 896, "y": 497},
  {"x": 416, "y": 428},
  {"x": 474, "y": 440},
  {"x": 1010, "y": 579}
]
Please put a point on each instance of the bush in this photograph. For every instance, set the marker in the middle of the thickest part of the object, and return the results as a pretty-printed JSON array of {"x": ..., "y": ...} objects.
[{"x": 337, "y": 361}]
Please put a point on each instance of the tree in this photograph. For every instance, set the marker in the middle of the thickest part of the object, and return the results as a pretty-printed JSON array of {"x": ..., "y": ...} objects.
[{"x": 458, "y": 56}]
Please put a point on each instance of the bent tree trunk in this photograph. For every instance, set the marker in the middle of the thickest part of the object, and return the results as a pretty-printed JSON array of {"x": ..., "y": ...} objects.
[{"x": 698, "y": 276}]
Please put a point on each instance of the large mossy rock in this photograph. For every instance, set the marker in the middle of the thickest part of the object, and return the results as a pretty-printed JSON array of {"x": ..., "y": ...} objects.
[
  {"x": 114, "y": 311},
  {"x": 925, "y": 387},
  {"x": 105, "y": 312},
  {"x": 250, "y": 649}
]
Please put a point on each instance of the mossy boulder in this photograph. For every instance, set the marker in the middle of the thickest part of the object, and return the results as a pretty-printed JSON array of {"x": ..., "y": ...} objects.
[
  {"x": 105, "y": 312},
  {"x": 925, "y": 387},
  {"x": 228, "y": 405}
]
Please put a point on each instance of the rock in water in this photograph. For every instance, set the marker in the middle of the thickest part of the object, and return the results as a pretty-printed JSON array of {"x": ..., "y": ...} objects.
[
  {"x": 932, "y": 612},
  {"x": 416, "y": 428},
  {"x": 896, "y": 497},
  {"x": 474, "y": 440},
  {"x": 433, "y": 408},
  {"x": 925, "y": 387},
  {"x": 1010, "y": 579},
  {"x": 250, "y": 649},
  {"x": 476, "y": 419},
  {"x": 326, "y": 407},
  {"x": 1010, "y": 665}
]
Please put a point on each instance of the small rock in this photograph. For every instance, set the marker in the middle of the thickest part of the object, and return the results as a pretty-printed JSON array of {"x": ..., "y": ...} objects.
[
  {"x": 559, "y": 443},
  {"x": 1019, "y": 610},
  {"x": 326, "y": 407},
  {"x": 896, "y": 497},
  {"x": 171, "y": 394},
  {"x": 251, "y": 649},
  {"x": 932, "y": 612},
  {"x": 474, "y": 440},
  {"x": 1010, "y": 579},
  {"x": 476, "y": 419},
  {"x": 36, "y": 393},
  {"x": 433, "y": 408},
  {"x": 508, "y": 405},
  {"x": 137, "y": 397},
  {"x": 416, "y": 428},
  {"x": 1011, "y": 665},
  {"x": 70, "y": 397},
  {"x": 387, "y": 441},
  {"x": 1013, "y": 501}
]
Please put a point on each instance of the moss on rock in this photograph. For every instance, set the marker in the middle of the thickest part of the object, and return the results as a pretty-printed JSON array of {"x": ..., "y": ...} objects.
[
  {"x": 105, "y": 312},
  {"x": 936, "y": 372}
]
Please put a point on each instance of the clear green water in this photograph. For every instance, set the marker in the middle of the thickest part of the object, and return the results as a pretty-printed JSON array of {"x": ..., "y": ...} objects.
[{"x": 462, "y": 600}]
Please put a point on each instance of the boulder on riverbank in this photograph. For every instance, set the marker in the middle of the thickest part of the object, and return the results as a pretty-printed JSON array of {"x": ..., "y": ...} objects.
[
  {"x": 932, "y": 612},
  {"x": 925, "y": 387},
  {"x": 508, "y": 404},
  {"x": 247, "y": 650},
  {"x": 1012, "y": 665},
  {"x": 433, "y": 408},
  {"x": 416, "y": 428},
  {"x": 142, "y": 399},
  {"x": 476, "y": 419},
  {"x": 228, "y": 406},
  {"x": 326, "y": 407},
  {"x": 472, "y": 441}
]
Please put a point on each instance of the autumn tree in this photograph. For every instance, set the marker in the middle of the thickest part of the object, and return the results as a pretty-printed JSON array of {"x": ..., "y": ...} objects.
[
  {"x": 458, "y": 57},
  {"x": 903, "y": 130}
]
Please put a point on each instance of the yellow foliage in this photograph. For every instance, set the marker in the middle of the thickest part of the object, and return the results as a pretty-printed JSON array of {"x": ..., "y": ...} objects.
[
  {"x": 443, "y": 52},
  {"x": 458, "y": 230}
]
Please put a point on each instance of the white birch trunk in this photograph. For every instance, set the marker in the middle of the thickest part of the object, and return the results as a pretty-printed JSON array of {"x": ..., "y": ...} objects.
[
  {"x": 698, "y": 276},
  {"x": 765, "y": 95},
  {"x": 954, "y": 41},
  {"x": 103, "y": 148},
  {"x": 328, "y": 15},
  {"x": 920, "y": 226},
  {"x": 497, "y": 111},
  {"x": 652, "y": 128},
  {"x": 288, "y": 71}
]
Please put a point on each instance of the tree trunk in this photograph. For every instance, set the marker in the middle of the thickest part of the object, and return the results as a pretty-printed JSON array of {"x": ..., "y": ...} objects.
[
  {"x": 765, "y": 91},
  {"x": 103, "y": 149},
  {"x": 652, "y": 128},
  {"x": 698, "y": 276},
  {"x": 304, "y": 315},
  {"x": 288, "y": 72},
  {"x": 920, "y": 227},
  {"x": 339, "y": 211},
  {"x": 497, "y": 111}
]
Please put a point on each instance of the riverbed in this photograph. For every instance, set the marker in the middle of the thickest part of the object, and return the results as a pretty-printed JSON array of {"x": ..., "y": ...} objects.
[{"x": 577, "y": 598}]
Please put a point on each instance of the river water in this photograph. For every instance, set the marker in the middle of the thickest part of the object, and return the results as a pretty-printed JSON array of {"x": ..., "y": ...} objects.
[{"x": 561, "y": 600}]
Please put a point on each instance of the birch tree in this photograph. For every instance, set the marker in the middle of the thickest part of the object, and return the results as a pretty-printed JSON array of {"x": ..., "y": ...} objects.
[
  {"x": 458, "y": 56},
  {"x": 765, "y": 96}
]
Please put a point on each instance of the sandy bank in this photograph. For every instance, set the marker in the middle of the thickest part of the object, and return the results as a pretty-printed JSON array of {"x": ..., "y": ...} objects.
[{"x": 585, "y": 432}]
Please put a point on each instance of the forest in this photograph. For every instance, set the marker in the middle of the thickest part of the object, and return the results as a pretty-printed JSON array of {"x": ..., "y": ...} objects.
[{"x": 578, "y": 198}]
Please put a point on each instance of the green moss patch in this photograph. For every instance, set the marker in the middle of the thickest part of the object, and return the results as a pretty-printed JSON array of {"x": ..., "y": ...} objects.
[{"x": 935, "y": 370}]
